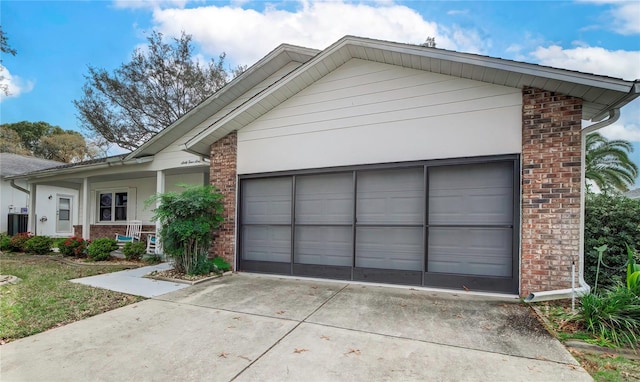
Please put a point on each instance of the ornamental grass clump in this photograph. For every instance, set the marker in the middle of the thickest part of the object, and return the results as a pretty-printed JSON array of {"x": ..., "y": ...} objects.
[{"x": 188, "y": 220}]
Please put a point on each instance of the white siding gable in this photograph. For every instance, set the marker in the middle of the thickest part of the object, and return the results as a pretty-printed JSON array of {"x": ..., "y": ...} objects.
[
  {"x": 173, "y": 155},
  {"x": 366, "y": 112}
]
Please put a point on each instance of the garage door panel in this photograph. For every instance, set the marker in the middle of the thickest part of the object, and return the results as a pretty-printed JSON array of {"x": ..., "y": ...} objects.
[
  {"x": 324, "y": 199},
  {"x": 389, "y": 248},
  {"x": 391, "y": 196},
  {"x": 266, "y": 243},
  {"x": 472, "y": 251},
  {"x": 266, "y": 201},
  {"x": 471, "y": 194},
  {"x": 324, "y": 246}
]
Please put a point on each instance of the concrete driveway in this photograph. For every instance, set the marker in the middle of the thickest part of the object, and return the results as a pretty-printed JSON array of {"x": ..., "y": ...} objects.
[{"x": 259, "y": 328}]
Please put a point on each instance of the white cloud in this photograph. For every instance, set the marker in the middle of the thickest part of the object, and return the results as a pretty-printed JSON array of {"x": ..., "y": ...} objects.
[
  {"x": 629, "y": 133},
  {"x": 456, "y": 12},
  {"x": 597, "y": 60},
  {"x": 246, "y": 34},
  {"x": 623, "y": 16},
  {"x": 626, "y": 17},
  {"x": 13, "y": 84},
  {"x": 628, "y": 126}
]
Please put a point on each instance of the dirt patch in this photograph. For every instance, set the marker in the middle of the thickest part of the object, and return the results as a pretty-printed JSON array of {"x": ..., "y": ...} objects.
[{"x": 522, "y": 318}]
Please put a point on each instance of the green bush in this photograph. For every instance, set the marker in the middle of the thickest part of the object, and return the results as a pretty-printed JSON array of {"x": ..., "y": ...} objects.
[
  {"x": 135, "y": 250},
  {"x": 152, "y": 258},
  {"x": 5, "y": 242},
  {"x": 614, "y": 221},
  {"x": 188, "y": 220},
  {"x": 100, "y": 249},
  {"x": 221, "y": 264},
  {"x": 73, "y": 246},
  {"x": 38, "y": 245},
  {"x": 613, "y": 316},
  {"x": 18, "y": 241}
]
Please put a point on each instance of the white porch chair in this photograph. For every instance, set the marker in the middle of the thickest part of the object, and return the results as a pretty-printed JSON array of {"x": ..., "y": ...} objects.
[
  {"x": 151, "y": 244},
  {"x": 134, "y": 227}
]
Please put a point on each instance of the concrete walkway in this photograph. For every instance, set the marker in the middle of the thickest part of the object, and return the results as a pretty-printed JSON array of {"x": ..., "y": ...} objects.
[
  {"x": 132, "y": 281},
  {"x": 258, "y": 328}
]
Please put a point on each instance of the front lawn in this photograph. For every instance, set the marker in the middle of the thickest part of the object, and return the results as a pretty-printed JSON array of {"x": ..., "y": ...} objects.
[{"x": 45, "y": 299}]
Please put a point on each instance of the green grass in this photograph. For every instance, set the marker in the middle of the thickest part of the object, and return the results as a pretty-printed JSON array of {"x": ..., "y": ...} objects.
[
  {"x": 608, "y": 368},
  {"x": 602, "y": 367},
  {"x": 45, "y": 299}
]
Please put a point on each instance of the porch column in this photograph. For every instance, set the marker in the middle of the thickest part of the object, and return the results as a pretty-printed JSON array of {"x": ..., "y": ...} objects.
[
  {"x": 86, "y": 209},
  {"x": 159, "y": 190},
  {"x": 32, "y": 217}
]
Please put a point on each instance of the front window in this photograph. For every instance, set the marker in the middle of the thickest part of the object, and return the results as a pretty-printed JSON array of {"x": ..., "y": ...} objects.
[{"x": 112, "y": 206}]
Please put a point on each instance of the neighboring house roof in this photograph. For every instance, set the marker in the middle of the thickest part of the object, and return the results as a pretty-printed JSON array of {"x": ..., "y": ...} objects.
[
  {"x": 600, "y": 94},
  {"x": 633, "y": 194},
  {"x": 14, "y": 164},
  {"x": 87, "y": 165}
]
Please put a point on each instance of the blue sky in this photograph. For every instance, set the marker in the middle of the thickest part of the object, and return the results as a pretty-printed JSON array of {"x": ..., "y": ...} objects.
[{"x": 57, "y": 40}]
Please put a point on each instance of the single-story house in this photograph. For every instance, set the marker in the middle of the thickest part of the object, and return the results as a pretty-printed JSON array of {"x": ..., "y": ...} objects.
[
  {"x": 56, "y": 210},
  {"x": 384, "y": 162}
]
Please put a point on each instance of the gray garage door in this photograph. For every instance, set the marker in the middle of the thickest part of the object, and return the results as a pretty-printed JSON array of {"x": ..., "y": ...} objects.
[{"x": 445, "y": 225}]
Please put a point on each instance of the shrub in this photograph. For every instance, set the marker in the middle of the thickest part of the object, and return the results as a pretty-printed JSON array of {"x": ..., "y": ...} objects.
[
  {"x": 18, "y": 241},
  {"x": 100, "y": 249},
  {"x": 188, "y": 220},
  {"x": 73, "y": 246},
  {"x": 221, "y": 264},
  {"x": 135, "y": 250},
  {"x": 614, "y": 221},
  {"x": 613, "y": 316},
  {"x": 38, "y": 245},
  {"x": 151, "y": 258},
  {"x": 5, "y": 242}
]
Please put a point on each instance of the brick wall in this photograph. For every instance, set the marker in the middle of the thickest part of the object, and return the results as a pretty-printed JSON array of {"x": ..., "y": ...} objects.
[
  {"x": 98, "y": 231},
  {"x": 223, "y": 175},
  {"x": 551, "y": 186}
]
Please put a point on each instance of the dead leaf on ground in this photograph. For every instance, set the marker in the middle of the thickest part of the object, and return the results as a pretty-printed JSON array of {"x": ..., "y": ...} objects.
[
  {"x": 223, "y": 355},
  {"x": 354, "y": 351},
  {"x": 465, "y": 288},
  {"x": 236, "y": 318},
  {"x": 325, "y": 338},
  {"x": 300, "y": 350},
  {"x": 280, "y": 312},
  {"x": 231, "y": 327}
]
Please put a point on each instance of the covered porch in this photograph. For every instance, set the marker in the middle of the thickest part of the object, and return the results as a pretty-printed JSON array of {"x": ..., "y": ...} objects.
[{"x": 110, "y": 194}]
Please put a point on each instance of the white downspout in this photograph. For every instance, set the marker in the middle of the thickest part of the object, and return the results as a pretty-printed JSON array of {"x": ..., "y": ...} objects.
[{"x": 583, "y": 288}]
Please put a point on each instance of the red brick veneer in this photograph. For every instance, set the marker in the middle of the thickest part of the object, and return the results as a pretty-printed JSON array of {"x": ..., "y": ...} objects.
[
  {"x": 223, "y": 175},
  {"x": 98, "y": 231},
  {"x": 551, "y": 186}
]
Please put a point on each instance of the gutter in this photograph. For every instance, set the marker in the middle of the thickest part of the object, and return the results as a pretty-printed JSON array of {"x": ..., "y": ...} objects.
[
  {"x": 583, "y": 288},
  {"x": 13, "y": 184}
]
